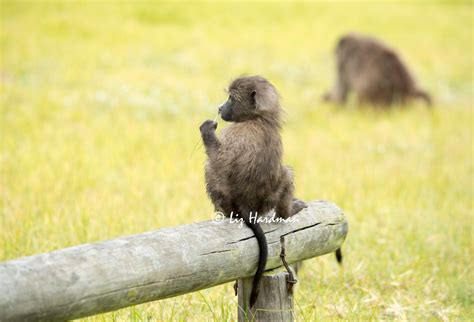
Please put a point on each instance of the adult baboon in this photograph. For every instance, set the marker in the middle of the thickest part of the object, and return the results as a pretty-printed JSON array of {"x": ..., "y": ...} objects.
[{"x": 374, "y": 71}]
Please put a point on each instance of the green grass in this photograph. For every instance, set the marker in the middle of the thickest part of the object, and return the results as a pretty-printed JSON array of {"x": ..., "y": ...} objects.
[{"x": 101, "y": 106}]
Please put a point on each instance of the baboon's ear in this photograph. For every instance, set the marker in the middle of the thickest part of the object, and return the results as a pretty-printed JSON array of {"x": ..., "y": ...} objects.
[
  {"x": 252, "y": 96},
  {"x": 265, "y": 98}
]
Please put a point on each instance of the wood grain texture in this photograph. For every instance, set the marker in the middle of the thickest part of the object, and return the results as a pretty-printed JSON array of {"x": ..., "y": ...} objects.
[{"x": 100, "y": 277}]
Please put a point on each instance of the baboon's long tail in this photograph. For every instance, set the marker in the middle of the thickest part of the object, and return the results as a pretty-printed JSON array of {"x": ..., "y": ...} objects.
[
  {"x": 338, "y": 253},
  {"x": 418, "y": 93},
  {"x": 262, "y": 260}
]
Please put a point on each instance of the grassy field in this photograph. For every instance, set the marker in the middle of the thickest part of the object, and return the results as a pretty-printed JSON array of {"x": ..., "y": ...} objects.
[{"x": 100, "y": 109}]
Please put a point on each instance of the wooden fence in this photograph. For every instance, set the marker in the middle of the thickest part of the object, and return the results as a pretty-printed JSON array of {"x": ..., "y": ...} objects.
[{"x": 100, "y": 277}]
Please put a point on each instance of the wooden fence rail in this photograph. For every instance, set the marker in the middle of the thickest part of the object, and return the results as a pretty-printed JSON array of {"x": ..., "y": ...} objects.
[{"x": 95, "y": 278}]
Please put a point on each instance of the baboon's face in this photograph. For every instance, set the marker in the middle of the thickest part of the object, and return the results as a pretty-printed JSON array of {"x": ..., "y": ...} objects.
[
  {"x": 238, "y": 108},
  {"x": 249, "y": 98}
]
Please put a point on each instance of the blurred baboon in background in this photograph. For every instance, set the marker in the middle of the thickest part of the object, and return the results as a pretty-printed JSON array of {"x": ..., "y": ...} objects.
[{"x": 374, "y": 71}]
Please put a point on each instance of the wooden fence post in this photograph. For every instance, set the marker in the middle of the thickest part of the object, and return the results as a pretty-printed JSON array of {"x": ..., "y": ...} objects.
[{"x": 275, "y": 300}]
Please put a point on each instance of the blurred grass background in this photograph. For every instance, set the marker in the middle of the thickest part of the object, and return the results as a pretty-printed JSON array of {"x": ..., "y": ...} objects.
[{"x": 101, "y": 104}]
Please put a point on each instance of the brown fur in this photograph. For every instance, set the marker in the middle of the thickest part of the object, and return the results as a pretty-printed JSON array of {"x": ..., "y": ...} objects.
[
  {"x": 244, "y": 171},
  {"x": 374, "y": 71}
]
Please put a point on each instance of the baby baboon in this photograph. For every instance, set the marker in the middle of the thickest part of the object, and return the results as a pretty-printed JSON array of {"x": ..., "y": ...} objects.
[
  {"x": 374, "y": 71},
  {"x": 244, "y": 172}
]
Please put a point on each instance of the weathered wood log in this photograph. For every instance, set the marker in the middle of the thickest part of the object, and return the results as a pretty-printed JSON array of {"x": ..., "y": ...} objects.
[{"x": 95, "y": 278}]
